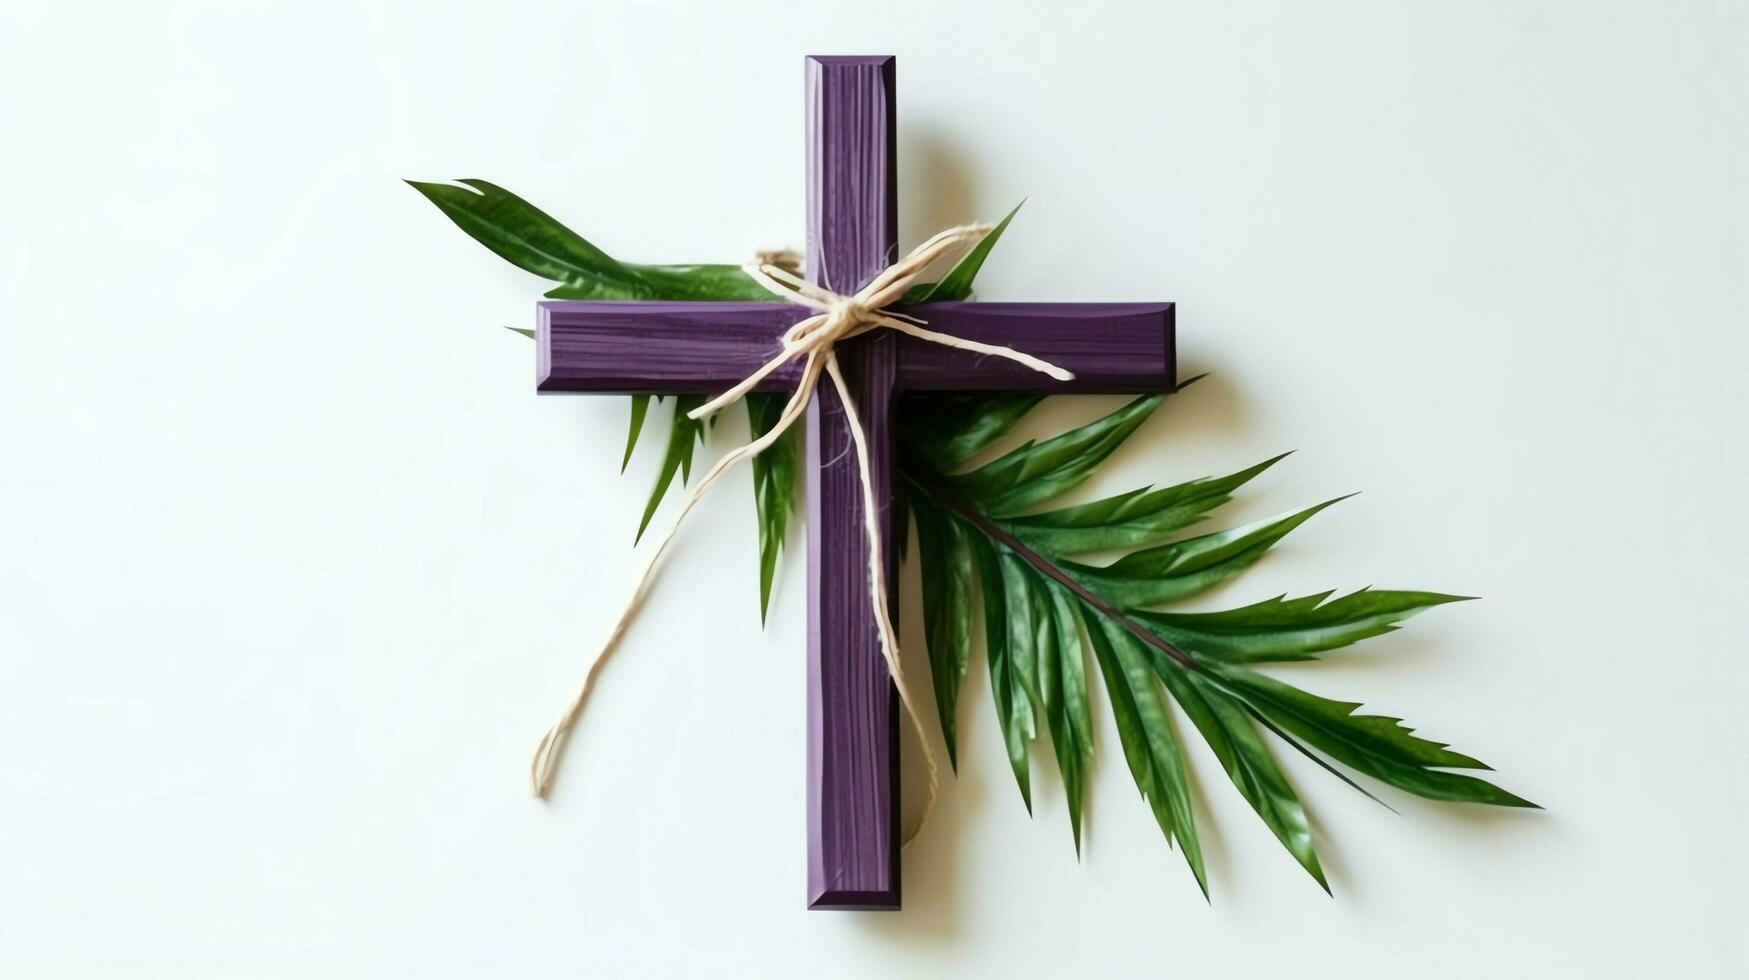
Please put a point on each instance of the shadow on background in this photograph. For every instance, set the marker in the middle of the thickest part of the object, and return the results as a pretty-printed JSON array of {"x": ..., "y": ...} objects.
[{"x": 938, "y": 191}]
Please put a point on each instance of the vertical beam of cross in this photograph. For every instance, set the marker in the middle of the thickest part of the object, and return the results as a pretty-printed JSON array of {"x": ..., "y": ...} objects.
[
  {"x": 705, "y": 347},
  {"x": 853, "y": 712}
]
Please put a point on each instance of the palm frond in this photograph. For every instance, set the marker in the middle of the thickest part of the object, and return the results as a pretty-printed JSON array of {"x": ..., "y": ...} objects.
[
  {"x": 1131, "y": 519},
  {"x": 1044, "y": 612},
  {"x": 1182, "y": 569},
  {"x": 1291, "y": 629},
  {"x": 1036, "y": 472},
  {"x": 774, "y": 488}
]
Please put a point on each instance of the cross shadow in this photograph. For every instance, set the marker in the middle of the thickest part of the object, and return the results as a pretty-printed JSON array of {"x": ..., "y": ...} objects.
[
  {"x": 937, "y": 191},
  {"x": 937, "y": 188},
  {"x": 934, "y": 868}
]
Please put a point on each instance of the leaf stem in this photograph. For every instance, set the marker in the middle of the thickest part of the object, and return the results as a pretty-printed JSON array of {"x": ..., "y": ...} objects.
[{"x": 946, "y": 498}]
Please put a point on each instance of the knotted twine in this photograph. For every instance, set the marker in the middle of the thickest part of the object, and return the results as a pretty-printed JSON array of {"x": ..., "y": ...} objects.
[{"x": 836, "y": 318}]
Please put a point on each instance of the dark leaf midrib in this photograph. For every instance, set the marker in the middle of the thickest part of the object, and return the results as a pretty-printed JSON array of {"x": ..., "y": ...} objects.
[{"x": 973, "y": 516}]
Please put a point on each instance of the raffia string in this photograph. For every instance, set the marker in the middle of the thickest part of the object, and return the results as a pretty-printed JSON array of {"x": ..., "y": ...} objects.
[{"x": 836, "y": 318}]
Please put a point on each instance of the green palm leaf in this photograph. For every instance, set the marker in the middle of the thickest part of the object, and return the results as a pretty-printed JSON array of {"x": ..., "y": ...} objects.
[
  {"x": 1198, "y": 657},
  {"x": 692, "y": 282},
  {"x": 944, "y": 432},
  {"x": 774, "y": 487},
  {"x": 640, "y": 408},
  {"x": 1003, "y": 645},
  {"x": 530, "y": 239},
  {"x": 957, "y": 284},
  {"x": 1291, "y": 629},
  {"x": 1063, "y": 687},
  {"x": 946, "y": 560},
  {"x": 1129, "y": 519},
  {"x": 1149, "y": 745},
  {"x": 533, "y": 240},
  {"x": 1182, "y": 569},
  {"x": 683, "y": 435},
  {"x": 1379, "y": 746},
  {"x": 1036, "y": 472},
  {"x": 1230, "y": 732}
]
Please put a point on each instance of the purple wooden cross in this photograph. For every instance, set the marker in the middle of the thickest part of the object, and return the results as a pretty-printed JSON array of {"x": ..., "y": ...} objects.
[{"x": 666, "y": 347}]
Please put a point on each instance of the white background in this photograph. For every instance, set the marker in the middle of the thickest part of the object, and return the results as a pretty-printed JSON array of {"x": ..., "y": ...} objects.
[{"x": 294, "y": 566}]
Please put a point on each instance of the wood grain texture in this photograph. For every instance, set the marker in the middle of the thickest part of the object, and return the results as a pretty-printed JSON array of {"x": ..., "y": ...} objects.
[
  {"x": 622, "y": 347},
  {"x": 629, "y": 347},
  {"x": 1109, "y": 347},
  {"x": 853, "y": 711}
]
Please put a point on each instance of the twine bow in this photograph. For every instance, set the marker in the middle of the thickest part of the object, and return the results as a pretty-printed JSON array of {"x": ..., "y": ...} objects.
[{"x": 836, "y": 318}]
